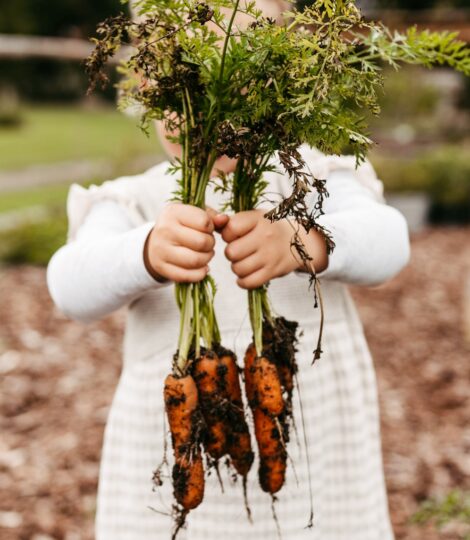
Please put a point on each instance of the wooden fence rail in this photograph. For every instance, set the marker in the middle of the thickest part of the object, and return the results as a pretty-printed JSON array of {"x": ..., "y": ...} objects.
[{"x": 17, "y": 46}]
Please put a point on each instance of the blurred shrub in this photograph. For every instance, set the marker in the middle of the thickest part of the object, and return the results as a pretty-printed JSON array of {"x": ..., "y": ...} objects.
[
  {"x": 422, "y": 105},
  {"x": 399, "y": 102},
  {"x": 443, "y": 174},
  {"x": 10, "y": 112},
  {"x": 34, "y": 242},
  {"x": 454, "y": 508}
]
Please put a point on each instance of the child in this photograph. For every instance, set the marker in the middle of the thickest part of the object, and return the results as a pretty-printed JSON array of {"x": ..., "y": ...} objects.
[{"x": 128, "y": 245}]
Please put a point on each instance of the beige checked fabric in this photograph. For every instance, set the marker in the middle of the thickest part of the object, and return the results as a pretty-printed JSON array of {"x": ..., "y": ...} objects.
[{"x": 339, "y": 401}]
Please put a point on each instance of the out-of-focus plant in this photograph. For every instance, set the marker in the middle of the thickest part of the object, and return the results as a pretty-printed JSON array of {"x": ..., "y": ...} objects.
[
  {"x": 453, "y": 508},
  {"x": 33, "y": 242},
  {"x": 443, "y": 174},
  {"x": 398, "y": 102},
  {"x": 10, "y": 110}
]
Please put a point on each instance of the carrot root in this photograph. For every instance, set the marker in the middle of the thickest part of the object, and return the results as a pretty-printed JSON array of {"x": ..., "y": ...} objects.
[
  {"x": 273, "y": 455},
  {"x": 181, "y": 404},
  {"x": 206, "y": 375}
]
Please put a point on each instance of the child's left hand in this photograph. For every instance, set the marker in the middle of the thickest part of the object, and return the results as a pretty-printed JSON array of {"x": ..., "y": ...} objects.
[{"x": 261, "y": 251}]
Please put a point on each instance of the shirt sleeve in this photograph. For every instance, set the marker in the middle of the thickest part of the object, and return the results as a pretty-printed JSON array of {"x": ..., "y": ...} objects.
[
  {"x": 101, "y": 268},
  {"x": 372, "y": 240}
]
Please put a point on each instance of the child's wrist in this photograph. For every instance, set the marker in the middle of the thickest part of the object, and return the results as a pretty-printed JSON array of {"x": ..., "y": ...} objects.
[
  {"x": 315, "y": 246},
  {"x": 148, "y": 266}
]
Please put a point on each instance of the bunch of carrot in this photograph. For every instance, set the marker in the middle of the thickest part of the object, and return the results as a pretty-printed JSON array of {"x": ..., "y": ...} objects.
[{"x": 205, "y": 406}]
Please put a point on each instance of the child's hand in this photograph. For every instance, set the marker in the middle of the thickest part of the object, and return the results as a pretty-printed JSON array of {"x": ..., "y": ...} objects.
[
  {"x": 181, "y": 244},
  {"x": 260, "y": 250}
]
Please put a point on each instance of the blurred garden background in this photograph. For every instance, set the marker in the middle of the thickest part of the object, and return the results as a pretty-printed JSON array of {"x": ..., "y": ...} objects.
[{"x": 57, "y": 377}]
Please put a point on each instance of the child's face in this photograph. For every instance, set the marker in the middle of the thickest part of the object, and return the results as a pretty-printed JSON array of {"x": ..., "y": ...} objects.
[
  {"x": 224, "y": 164},
  {"x": 271, "y": 8}
]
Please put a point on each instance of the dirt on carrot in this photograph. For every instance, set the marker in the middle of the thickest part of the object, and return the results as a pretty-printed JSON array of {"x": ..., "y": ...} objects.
[
  {"x": 181, "y": 404},
  {"x": 206, "y": 374}
]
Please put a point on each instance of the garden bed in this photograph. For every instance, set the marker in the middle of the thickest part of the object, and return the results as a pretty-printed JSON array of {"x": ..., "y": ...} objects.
[{"x": 58, "y": 377}]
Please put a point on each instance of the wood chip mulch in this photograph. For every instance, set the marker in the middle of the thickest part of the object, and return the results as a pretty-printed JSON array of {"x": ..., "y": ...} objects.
[{"x": 57, "y": 379}]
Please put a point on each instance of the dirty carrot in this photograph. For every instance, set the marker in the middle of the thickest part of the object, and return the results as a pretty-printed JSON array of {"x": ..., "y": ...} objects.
[
  {"x": 238, "y": 435},
  {"x": 265, "y": 390},
  {"x": 181, "y": 404},
  {"x": 273, "y": 455},
  {"x": 206, "y": 373},
  {"x": 248, "y": 368}
]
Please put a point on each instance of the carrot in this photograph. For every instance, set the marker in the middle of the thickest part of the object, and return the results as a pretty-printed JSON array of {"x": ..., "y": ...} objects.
[
  {"x": 206, "y": 375},
  {"x": 272, "y": 453},
  {"x": 264, "y": 393},
  {"x": 249, "y": 372},
  {"x": 181, "y": 404},
  {"x": 188, "y": 481},
  {"x": 238, "y": 435},
  {"x": 267, "y": 386},
  {"x": 273, "y": 456}
]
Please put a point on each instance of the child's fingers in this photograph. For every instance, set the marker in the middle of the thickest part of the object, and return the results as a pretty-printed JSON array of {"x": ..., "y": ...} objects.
[
  {"x": 255, "y": 280},
  {"x": 241, "y": 248},
  {"x": 183, "y": 275},
  {"x": 219, "y": 220},
  {"x": 187, "y": 258},
  {"x": 192, "y": 239},
  {"x": 248, "y": 266},
  {"x": 195, "y": 218},
  {"x": 240, "y": 224}
]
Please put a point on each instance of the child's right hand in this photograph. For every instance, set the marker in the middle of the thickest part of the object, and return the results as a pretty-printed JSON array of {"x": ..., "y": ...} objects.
[{"x": 181, "y": 244}]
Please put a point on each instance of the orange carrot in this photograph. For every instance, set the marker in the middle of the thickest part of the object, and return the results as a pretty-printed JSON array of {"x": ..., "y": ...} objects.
[
  {"x": 273, "y": 456},
  {"x": 188, "y": 481},
  {"x": 249, "y": 372},
  {"x": 206, "y": 375},
  {"x": 238, "y": 435},
  {"x": 181, "y": 403},
  {"x": 268, "y": 390}
]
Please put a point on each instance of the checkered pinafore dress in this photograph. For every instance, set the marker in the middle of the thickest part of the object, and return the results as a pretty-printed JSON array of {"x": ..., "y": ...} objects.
[{"x": 339, "y": 403}]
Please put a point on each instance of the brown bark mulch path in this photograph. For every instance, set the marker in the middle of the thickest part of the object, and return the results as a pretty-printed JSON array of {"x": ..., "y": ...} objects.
[{"x": 57, "y": 379}]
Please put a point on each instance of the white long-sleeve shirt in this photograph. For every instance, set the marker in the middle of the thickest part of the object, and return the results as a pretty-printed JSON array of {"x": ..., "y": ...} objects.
[{"x": 102, "y": 269}]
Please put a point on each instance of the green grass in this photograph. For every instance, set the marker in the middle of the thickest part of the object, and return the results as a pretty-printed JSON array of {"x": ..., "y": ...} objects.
[
  {"x": 41, "y": 196},
  {"x": 50, "y": 134}
]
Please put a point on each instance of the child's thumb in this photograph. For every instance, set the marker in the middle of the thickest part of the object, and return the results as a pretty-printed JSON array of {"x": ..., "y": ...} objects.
[{"x": 219, "y": 220}]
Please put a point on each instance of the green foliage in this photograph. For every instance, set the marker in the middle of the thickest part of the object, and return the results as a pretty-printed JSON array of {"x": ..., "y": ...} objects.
[
  {"x": 249, "y": 92},
  {"x": 444, "y": 174},
  {"x": 454, "y": 508},
  {"x": 35, "y": 242},
  {"x": 307, "y": 86}
]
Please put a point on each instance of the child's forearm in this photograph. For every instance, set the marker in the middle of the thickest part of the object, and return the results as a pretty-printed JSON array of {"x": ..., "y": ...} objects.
[
  {"x": 103, "y": 269},
  {"x": 372, "y": 242}
]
